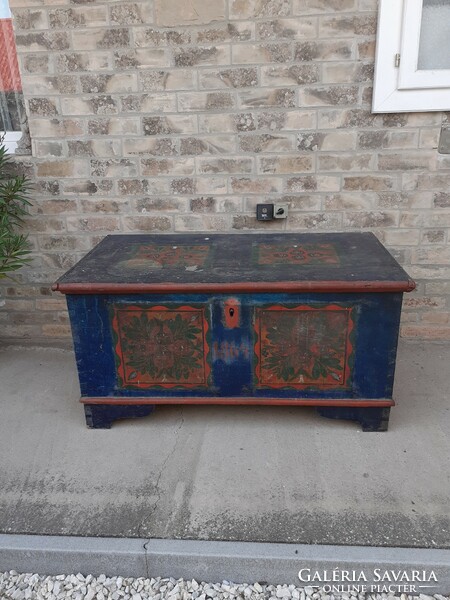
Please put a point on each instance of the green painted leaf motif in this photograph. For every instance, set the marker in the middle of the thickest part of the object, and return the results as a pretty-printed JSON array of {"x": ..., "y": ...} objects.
[{"x": 165, "y": 349}]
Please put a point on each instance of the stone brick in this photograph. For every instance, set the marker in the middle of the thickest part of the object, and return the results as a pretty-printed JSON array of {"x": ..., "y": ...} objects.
[
  {"x": 99, "y": 84},
  {"x": 261, "y": 53},
  {"x": 170, "y": 124},
  {"x": 170, "y": 13},
  {"x": 131, "y": 187},
  {"x": 45, "y": 128},
  {"x": 76, "y": 61},
  {"x": 204, "y": 222},
  {"x": 346, "y": 118},
  {"x": 228, "y": 78},
  {"x": 47, "y": 149},
  {"x": 328, "y": 95},
  {"x": 164, "y": 204},
  {"x": 402, "y": 237},
  {"x": 167, "y": 166},
  {"x": 212, "y": 185},
  {"x": 431, "y": 255},
  {"x": 166, "y": 80},
  {"x": 70, "y": 18},
  {"x": 211, "y": 145},
  {"x": 89, "y": 105},
  {"x": 363, "y": 220},
  {"x": 36, "y": 63},
  {"x": 304, "y": 183},
  {"x": 346, "y": 162},
  {"x": 323, "y": 50},
  {"x": 292, "y": 75},
  {"x": 348, "y": 201},
  {"x": 91, "y": 39},
  {"x": 141, "y": 58},
  {"x": 30, "y": 19},
  {"x": 212, "y": 55},
  {"x": 203, "y": 204},
  {"x": 227, "y": 32},
  {"x": 315, "y": 221},
  {"x": 185, "y": 185},
  {"x": 101, "y": 148},
  {"x": 433, "y": 236},
  {"x": 286, "y": 164},
  {"x": 366, "y": 50},
  {"x": 42, "y": 107},
  {"x": 88, "y": 187},
  {"x": 260, "y": 185},
  {"x": 108, "y": 126},
  {"x": 347, "y": 26},
  {"x": 119, "y": 167},
  {"x": 292, "y": 29},
  {"x": 426, "y": 181},
  {"x": 441, "y": 199},
  {"x": 55, "y": 207},
  {"x": 200, "y": 101},
  {"x": 131, "y": 13},
  {"x": 93, "y": 224},
  {"x": 44, "y": 41},
  {"x": 151, "y": 146},
  {"x": 425, "y": 332},
  {"x": 266, "y": 143},
  {"x": 429, "y": 138},
  {"x": 225, "y": 165},
  {"x": 308, "y": 7},
  {"x": 63, "y": 84},
  {"x": 217, "y": 123},
  {"x": 374, "y": 183},
  {"x": 62, "y": 168},
  {"x": 347, "y": 72},
  {"x": 103, "y": 206},
  {"x": 280, "y": 97},
  {"x": 149, "y": 103},
  {"x": 340, "y": 140},
  {"x": 152, "y": 37},
  {"x": 406, "y": 161},
  {"x": 254, "y": 9},
  {"x": 147, "y": 223}
]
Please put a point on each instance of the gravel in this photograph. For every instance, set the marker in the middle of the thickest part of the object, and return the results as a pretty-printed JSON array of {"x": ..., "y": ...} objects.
[{"x": 30, "y": 586}]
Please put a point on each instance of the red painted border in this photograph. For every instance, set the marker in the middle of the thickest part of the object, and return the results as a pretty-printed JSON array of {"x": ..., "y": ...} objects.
[
  {"x": 257, "y": 286},
  {"x": 363, "y": 403},
  {"x": 304, "y": 308}
]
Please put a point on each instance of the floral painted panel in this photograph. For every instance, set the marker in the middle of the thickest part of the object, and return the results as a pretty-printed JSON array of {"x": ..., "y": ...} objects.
[
  {"x": 296, "y": 254},
  {"x": 303, "y": 346},
  {"x": 161, "y": 346},
  {"x": 153, "y": 256}
]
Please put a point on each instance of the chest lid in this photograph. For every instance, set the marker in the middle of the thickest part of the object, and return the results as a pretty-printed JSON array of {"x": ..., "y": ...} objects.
[{"x": 284, "y": 262}]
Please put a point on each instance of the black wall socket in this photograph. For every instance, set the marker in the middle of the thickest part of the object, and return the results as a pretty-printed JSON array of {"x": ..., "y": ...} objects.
[{"x": 264, "y": 212}]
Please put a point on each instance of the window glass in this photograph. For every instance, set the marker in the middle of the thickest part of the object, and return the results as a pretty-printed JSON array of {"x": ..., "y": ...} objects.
[{"x": 434, "y": 47}]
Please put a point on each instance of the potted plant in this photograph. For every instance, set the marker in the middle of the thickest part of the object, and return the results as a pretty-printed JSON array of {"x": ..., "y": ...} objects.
[{"x": 14, "y": 189}]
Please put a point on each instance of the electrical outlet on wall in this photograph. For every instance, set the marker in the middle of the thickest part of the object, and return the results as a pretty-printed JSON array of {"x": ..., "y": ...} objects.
[{"x": 280, "y": 211}]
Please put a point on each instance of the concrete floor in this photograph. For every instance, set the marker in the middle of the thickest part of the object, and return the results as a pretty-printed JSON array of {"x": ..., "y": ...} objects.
[{"x": 275, "y": 474}]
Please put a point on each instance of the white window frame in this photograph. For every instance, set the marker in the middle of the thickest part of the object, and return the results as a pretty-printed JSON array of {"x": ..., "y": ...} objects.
[
  {"x": 398, "y": 85},
  {"x": 10, "y": 140}
]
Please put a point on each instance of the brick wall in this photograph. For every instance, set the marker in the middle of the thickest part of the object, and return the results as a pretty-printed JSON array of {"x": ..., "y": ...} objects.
[{"x": 177, "y": 115}]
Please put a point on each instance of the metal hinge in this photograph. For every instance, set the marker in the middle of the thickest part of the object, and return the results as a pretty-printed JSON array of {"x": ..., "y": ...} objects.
[{"x": 397, "y": 60}]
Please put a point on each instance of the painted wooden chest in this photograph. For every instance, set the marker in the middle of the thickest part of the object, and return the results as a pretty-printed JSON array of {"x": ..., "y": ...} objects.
[{"x": 295, "y": 319}]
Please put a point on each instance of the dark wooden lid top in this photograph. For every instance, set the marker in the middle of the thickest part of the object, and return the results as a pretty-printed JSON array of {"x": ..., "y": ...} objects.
[{"x": 288, "y": 262}]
